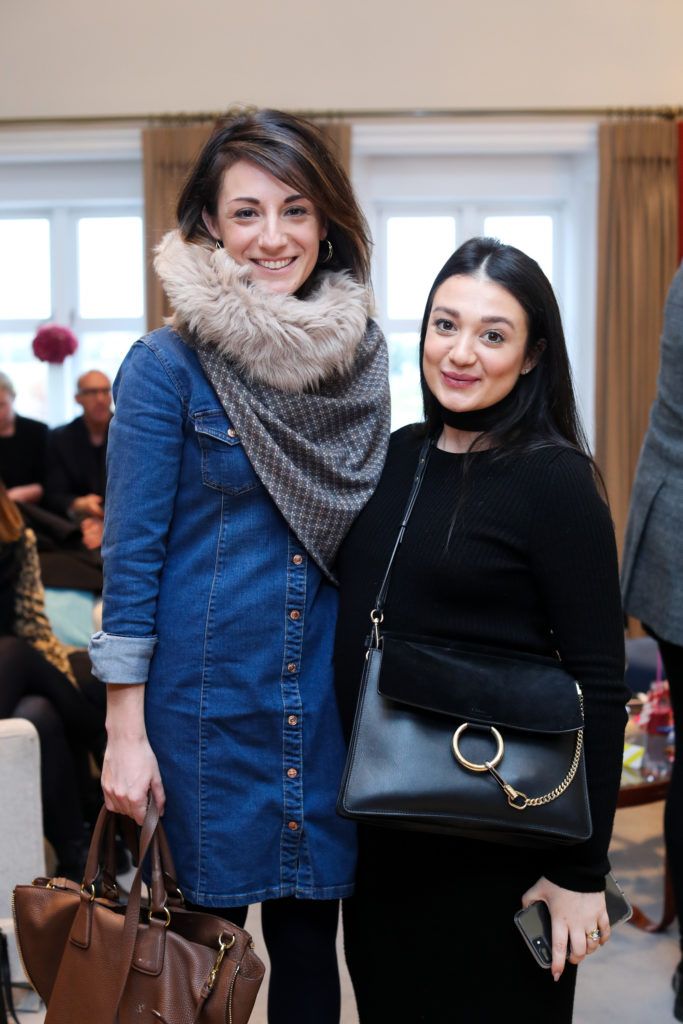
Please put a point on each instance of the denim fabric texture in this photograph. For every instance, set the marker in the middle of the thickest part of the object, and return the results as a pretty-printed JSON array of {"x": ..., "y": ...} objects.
[{"x": 212, "y": 601}]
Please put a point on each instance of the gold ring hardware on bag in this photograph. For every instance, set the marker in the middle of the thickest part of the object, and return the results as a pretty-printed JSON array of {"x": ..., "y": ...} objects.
[
  {"x": 473, "y": 766},
  {"x": 90, "y": 889},
  {"x": 511, "y": 793},
  {"x": 167, "y": 912},
  {"x": 223, "y": 945},
  {"x": 520, "y": 801}
]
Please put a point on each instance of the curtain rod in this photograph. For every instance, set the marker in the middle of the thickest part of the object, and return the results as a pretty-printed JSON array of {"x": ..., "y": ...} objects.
[{"x": 143, "y": 120}]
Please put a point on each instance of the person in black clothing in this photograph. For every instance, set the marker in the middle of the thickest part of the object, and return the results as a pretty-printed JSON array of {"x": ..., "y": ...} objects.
[
  {"x": 52, "y": 688},
  {"x": 77, "y": 454},
  {"x": 509, "y": 546},
  {"x": 652, "y": 565},
  {"x": 23, "y": 448}
]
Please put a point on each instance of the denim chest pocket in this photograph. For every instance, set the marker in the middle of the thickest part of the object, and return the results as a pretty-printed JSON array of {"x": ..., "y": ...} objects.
[{"x": 225, "y": 466}]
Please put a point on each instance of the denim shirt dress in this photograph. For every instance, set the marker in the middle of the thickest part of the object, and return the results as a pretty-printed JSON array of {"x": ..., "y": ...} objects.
[{"x": 212, "y": 601}]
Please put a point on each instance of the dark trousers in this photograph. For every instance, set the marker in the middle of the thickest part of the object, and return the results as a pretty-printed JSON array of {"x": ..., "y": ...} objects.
[
  {"x": 300, "y": 936},
  {"x": 672, "y": 657},
  {"x": 70, "y": 724},
  {"x": 435, "y": 941}
]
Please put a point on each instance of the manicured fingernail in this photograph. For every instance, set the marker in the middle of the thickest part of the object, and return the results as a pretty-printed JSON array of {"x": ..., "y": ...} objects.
[{"x": 556, "y": 977}]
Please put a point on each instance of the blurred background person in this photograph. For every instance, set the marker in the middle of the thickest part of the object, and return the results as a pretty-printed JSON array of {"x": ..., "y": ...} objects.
[
  {"x": 652, "y": 569},
  {"x": 23, "y": 448},
  {"x": 51, "y": 685},
  {"x": 77, "y": 454}
]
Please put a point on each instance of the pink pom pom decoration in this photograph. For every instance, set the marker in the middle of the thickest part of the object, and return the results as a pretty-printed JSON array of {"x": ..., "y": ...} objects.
[{"x": 52, "y": 344}]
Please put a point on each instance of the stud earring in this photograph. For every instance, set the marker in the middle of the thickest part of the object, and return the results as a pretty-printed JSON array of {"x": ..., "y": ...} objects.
[
  {"x": 330, "y": 252},
  {"x": 219, "y": 244}
]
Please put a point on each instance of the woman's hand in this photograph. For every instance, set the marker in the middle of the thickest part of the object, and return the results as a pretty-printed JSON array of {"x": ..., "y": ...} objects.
[
  {"x": 574, "y": 915},
  {"x": 130, "y": 768}
]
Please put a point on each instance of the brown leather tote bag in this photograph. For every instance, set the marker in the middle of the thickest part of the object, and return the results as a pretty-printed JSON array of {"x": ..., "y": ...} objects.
[{"x": 95, "y": 960}]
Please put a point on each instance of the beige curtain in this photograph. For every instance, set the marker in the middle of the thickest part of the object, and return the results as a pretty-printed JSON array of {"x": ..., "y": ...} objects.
[
  {"x": 168, "y": 154},
  {"x": 338, "y": 137},
  {"x": 637, "y": 257}
]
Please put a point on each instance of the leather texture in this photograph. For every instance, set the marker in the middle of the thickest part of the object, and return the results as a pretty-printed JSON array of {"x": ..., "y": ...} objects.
[
  {"x": 100, "y": 960},
  {"x": 401, "y": 770}
]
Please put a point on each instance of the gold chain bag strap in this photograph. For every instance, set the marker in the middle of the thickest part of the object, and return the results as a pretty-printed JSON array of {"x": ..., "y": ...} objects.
[
  {"x": 94, "y": 959},
  {"x": 451, "y": 737}
]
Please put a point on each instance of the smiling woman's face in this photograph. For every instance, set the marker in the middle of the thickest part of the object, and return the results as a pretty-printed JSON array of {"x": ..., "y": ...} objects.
[
  {"x": 265, "y": 223},
  {"x": 476, "y": 343}
]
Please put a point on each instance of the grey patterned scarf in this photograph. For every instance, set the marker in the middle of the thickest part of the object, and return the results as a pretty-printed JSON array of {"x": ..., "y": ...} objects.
[{"x": 304, "y": 382}]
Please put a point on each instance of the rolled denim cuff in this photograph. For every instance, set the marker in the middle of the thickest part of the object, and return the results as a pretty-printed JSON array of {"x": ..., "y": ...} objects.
[{"x": 121, "y": 659}]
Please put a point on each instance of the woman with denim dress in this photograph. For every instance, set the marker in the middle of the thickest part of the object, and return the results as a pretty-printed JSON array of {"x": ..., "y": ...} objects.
[{"x": 247, "y": 437}]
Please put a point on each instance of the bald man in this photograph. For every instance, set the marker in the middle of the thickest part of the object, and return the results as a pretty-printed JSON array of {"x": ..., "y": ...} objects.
[{"x": 77, "y": 453}]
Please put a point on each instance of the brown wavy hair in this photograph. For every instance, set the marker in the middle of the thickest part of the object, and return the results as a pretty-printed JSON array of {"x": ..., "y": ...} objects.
[
  {"x": 294, "y": 151},
  {"x": 11, "y": 523}
]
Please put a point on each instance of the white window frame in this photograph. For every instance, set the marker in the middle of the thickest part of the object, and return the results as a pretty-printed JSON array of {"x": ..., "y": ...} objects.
[
  {"x": 41, "y": 168},
  {"x": 63, "y": 175}
]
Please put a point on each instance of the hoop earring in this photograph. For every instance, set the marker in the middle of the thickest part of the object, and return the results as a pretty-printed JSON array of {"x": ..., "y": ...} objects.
[
  {"x": 330, "y": 252},
  {"x": 219, "y": 244}
]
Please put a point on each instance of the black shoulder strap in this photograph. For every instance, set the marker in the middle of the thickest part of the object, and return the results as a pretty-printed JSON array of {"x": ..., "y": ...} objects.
[{"x": 425, "y": 451}]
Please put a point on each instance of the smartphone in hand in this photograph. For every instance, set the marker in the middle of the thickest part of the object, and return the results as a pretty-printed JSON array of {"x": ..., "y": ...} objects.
[{"x": 534, "y": 921}]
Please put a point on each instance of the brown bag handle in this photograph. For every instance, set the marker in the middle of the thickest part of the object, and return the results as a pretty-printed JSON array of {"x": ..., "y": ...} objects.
[
  {"x": 151, "y": 956},
  {"x": 101, "y": 862},
  {"x": 132, "y": 919}
]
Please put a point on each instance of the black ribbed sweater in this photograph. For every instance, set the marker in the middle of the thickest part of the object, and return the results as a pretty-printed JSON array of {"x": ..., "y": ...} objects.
[{"x": 531, "y": 566}]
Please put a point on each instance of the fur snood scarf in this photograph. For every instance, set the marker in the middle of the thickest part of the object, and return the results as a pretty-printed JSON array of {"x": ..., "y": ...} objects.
[
  {"x": 278, "y": 340},
  {"x": 304, "y": 381}
]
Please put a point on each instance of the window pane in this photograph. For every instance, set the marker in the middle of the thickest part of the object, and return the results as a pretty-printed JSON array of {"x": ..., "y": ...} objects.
[
  {"x": 417, "y": 248},
  {"x": 533, "y": 235},
  {"x": 404, "y": 377},
  {"x": 110, "y": 271},
  {"x": 28, "y": 374},
  {"x": 105, "y": 350},
  {"x": 25, "y": 291}
]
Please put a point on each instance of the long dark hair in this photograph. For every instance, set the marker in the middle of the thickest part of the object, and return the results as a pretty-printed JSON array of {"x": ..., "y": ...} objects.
[
  {"x": 295, "y": 151},
  {"x": 545, "y": 408}
]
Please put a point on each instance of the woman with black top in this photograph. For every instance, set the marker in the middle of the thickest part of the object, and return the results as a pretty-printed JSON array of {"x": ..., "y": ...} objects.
[
  {"x": 51, "y": 685},
  {"x": 509, "y": 545},
  {"x": 23, "y": 449}
]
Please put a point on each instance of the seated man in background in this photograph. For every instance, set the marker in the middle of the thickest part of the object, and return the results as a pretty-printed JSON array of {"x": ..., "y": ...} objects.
[
  {"x": 23, "y": 449},
  {"x": 77, "y": 453}
]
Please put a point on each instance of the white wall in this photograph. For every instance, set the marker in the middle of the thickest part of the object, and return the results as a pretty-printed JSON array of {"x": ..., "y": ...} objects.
[{"x": 90, "y": 58}]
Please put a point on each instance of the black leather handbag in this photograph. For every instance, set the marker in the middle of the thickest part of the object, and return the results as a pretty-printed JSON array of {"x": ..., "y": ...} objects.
[{"x": 453, "y": 738}]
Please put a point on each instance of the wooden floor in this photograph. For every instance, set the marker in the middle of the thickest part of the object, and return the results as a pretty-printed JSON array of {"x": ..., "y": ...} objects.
[{"x": 627, "y": 982}]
